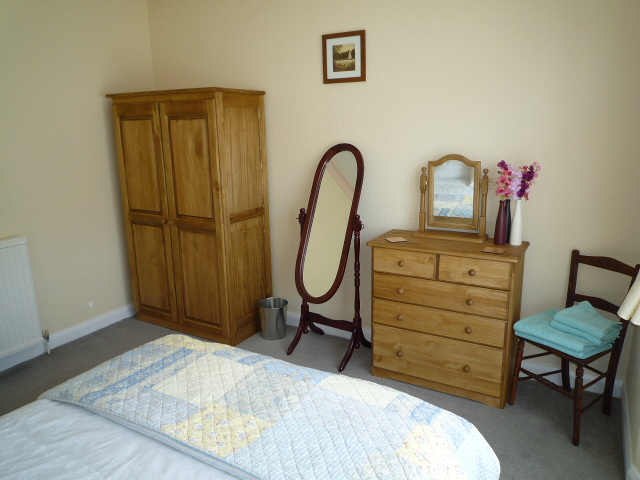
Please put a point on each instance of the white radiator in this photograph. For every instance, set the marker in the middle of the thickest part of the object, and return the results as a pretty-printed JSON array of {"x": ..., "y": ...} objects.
[{"x": 19, "y": 320}]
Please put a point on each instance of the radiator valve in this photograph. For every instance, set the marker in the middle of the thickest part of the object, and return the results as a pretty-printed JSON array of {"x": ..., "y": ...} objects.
[{"x": 45, "y": 335}]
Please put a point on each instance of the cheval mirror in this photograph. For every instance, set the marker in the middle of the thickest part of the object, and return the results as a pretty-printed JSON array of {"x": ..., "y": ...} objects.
[
  {"x": 453, "y": 200},
  {"x": 328, "y": 224}
]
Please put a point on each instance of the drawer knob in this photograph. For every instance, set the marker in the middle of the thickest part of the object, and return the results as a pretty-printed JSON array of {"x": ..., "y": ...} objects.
[
  {"x": 399, "y": 353},
  {"x": 401, "y": 263},
  {"x": 401, "y": 290},
  {"x": 400, "y": 317},
  {"x": 466, "y": 369},
  {"x": 472, "y": 273},
  {"x": 468, "y": 330},
  {"x": 469, "y": 301}
]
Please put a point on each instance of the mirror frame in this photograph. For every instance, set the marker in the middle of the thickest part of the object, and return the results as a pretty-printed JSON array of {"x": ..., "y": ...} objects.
[
  {"x": 448, "y": 228},
  {"x": 454, "y": 222},
  {"x": 308, "y": 223}
]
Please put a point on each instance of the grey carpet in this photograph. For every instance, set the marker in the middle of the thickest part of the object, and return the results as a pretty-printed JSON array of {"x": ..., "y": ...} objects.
[{"x": 532, "y": 438}]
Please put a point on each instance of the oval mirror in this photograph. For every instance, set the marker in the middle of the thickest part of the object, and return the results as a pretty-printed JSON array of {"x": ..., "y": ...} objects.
[{"x": 328, "y": 226}]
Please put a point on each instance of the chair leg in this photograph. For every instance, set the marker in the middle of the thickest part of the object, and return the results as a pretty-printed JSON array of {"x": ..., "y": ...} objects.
[
  {"x": 611, "y": 378},
  {"x": 577, "y": 405},
  {"x": 566, "y": 379},
  {"x": 516, "y": 372},
  {"x": 608, "y": 394}
]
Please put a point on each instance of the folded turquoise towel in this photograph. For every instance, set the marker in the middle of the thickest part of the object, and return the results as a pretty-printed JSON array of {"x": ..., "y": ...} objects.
[
  {"x": 585, "y": 321},
  {"x": 538, "y": 329}
]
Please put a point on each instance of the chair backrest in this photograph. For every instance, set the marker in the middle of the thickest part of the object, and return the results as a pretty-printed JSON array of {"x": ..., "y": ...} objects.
[{"x": 606, "y": 263}]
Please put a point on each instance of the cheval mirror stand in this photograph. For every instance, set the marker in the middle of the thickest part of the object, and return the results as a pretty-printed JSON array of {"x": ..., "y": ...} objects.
[{"x": 323, "y": 251}]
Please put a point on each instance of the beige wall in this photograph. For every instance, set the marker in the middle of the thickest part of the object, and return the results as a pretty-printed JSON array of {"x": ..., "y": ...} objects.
[
  {"x": 58, "y": 172},
  {"x": 555, "y": 82}
]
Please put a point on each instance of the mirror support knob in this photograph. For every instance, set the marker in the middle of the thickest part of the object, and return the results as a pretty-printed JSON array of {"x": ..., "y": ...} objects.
[
  {"x": 401, "y": 263},
  {"x": 472, "y": 273},
  {"x": 399, "y": 353},
  {"x": 400, "y": 317},
  {"x": 470, "y": 302},
  {"x": 401, "y": 290},
  {"x": 468, "y": 330},
  {"x": 466, "y": 369}
]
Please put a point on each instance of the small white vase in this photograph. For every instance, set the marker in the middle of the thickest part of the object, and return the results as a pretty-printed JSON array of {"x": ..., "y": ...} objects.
[{"x": 516, "y": 224}]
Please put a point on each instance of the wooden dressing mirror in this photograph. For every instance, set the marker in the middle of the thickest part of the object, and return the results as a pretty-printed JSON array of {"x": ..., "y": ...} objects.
[
  {"x": 328, "y": 225},
  {"x": 453, "y": 201}
]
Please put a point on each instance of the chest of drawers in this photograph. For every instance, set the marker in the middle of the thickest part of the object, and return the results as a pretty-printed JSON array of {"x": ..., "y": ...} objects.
[{"x": 443, "y": 314}]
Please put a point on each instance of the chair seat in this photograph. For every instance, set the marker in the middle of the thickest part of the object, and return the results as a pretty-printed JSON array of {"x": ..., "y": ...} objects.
[{"x": 537, "y": 328}]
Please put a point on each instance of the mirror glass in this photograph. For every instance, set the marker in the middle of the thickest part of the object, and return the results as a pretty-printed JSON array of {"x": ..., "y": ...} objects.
[
  {"x": 330, "y": 221},
  {"x": 454, "y": 187},
  {"x": 453, "y": 193}
]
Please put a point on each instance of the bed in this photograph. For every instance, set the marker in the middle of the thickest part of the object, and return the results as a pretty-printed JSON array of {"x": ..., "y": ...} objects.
[{"x": 179, "y": 407}]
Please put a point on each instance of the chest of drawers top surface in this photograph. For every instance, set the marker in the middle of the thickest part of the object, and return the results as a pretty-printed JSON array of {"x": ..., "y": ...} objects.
[{"x": 449, "y": 247}]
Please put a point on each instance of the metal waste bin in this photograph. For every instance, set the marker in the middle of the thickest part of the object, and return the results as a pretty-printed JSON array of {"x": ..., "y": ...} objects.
[{"x": 273, "y": 314}]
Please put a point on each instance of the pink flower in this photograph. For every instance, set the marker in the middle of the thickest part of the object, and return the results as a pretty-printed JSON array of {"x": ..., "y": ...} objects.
[{"x": 515, "y": 183}]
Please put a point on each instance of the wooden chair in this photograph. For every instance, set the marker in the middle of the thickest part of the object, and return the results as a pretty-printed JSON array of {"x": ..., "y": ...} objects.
[{"x": 609, "y": 375}]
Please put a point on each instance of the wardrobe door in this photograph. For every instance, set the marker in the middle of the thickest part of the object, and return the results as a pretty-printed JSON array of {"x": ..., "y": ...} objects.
[
  {"x": 243, "y": 163},
  {"x": 142, "y": 180},
  {"x": 193, "y": 187}
]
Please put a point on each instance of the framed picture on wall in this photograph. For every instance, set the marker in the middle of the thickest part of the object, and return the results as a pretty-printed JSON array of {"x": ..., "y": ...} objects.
[{"x": 344, "y": 57}]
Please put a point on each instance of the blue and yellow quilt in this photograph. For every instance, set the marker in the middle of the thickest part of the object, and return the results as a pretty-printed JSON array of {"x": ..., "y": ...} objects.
[{"x": 261, "y": 418}]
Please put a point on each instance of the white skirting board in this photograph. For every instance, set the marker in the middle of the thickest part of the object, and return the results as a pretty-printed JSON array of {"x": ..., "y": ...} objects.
[
  {"x": 68, "y": 335},
  {"x": 293, "y": 318},
  {"x": 631, "y": 472}
]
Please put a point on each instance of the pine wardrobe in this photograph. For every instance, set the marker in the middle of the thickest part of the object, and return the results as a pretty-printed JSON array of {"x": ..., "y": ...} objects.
[{"x": 193, "y": 174}]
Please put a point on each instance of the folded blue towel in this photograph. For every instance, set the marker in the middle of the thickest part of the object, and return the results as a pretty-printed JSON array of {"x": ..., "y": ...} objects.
[
  {"x": 538, "y": 329},
  {"x": 585, "y": 321}
]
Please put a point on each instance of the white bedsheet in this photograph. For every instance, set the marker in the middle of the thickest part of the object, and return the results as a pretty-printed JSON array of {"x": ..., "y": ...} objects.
[{"x": 52, "y": 440}]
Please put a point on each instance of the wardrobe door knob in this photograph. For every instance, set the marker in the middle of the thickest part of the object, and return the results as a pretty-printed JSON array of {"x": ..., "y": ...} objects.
[
  {"x": 401, "y": 263},
  {"x": 466, "y": 368},
  {"x": 400, "y": 317},
  {"x": 401, "y": 290},
  {"x": 468, "y": 330},
  {"x": 399, "y": 353},
  {"x": 470, "y": 301},
  {"x": 472, "y": 273}
]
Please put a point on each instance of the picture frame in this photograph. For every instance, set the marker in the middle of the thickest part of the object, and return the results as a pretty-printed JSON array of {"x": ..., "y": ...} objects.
[{"x": 344, "y": 57}]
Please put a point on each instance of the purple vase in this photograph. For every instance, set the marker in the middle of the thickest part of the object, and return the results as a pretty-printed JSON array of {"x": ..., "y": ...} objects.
[
  {"x": 508, "y": 202},
  {"x": 500, "y": 235}
]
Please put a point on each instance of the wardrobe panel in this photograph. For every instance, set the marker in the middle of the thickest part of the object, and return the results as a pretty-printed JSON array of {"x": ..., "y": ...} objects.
[
  {"x": 243, "y": 156},
  {"x": 152, "y": 267},
  {"x": 247, "y": 266},
  {"x": 190, "y": 161},
  {"x": 200, "y": 279},
  {"x": 143, "y": 172}
]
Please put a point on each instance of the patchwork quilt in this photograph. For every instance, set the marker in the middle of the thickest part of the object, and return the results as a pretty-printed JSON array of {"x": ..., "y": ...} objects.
[
  {"x": 451, "y": 205},
  {"x": 261, "y": 418}
]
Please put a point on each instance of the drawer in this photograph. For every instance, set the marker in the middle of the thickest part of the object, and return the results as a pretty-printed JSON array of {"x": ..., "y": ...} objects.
[
  {"x": 448, "y": 296},
  {"x": 472, "y": 271},
  {"x": 458, "y": 326},
  {"x": 451, "y": 362},
  {"x": 400, "y": 262}
]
